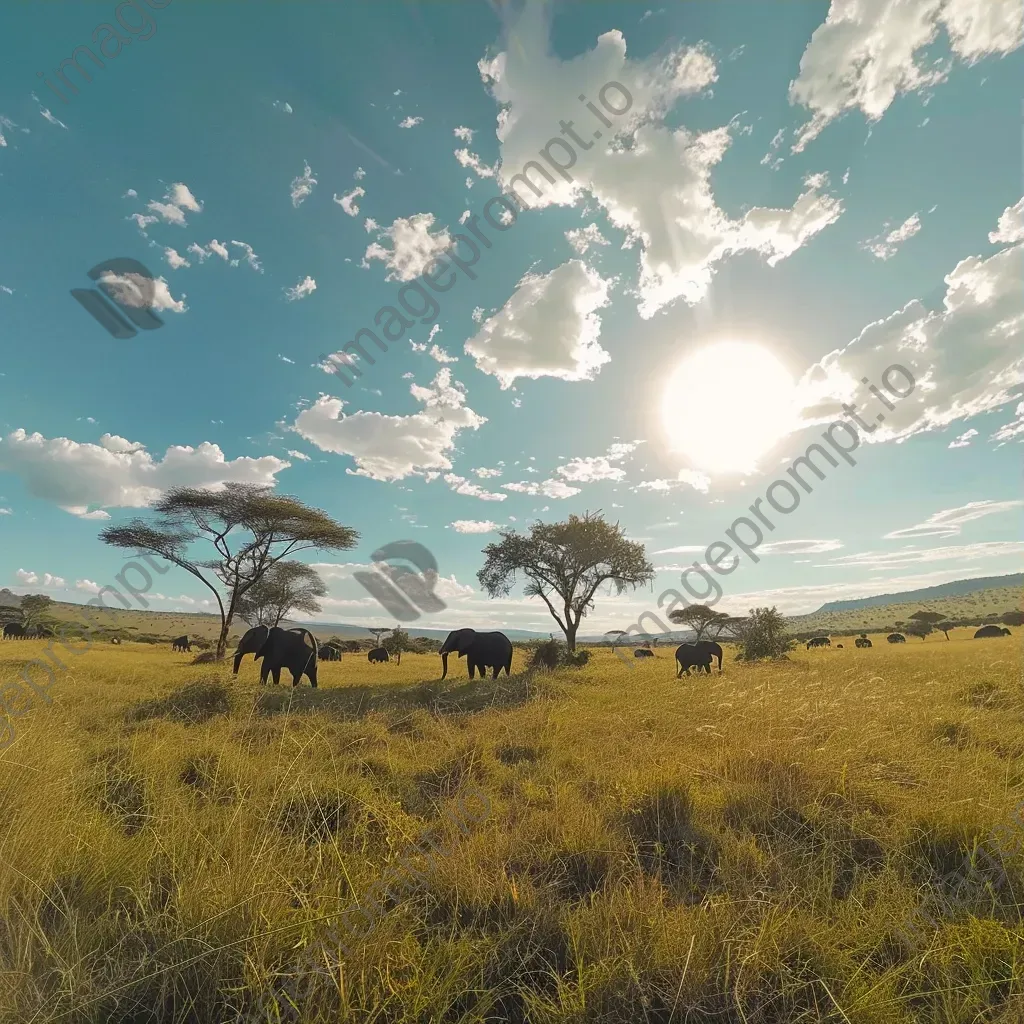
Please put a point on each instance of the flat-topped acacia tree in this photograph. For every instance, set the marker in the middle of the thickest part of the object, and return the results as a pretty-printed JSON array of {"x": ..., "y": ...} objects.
[
  {"x": 251, "y": 530},
  {"x": 564, "y": 564}
]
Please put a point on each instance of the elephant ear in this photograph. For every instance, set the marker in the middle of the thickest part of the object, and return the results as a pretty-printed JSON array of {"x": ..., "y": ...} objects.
[{"x": 464, "y": 639}]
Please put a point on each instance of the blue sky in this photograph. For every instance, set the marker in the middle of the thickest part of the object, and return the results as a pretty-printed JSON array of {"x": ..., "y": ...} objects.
[{"x": 836, "y": 188}]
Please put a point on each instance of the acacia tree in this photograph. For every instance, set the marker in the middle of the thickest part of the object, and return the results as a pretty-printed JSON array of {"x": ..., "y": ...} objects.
[
  {"x": 764, "y": 634},
  {"x": 284, "y": 587},
  {"x": 251, "y": 530},
  {"x": 705, "y": 622},
  {"x": 377, "y": 632},
  {"x": 1013, "y": 618},
  {"x": 564, "y": 564},
  {"x": 945, "y": 627},
  {"x": 34, "y": 608},
  {"x": 396, "y": 643}
]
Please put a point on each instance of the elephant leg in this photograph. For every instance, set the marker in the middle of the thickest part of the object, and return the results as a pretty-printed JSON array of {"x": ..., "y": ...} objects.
[
  {"x": 276, "y": 670},
  {"x": 497, "y": 669},
  {"x": 264, "y": 672}
]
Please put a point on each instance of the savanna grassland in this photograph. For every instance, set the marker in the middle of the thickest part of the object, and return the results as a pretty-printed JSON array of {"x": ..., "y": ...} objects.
[{"x": 740, "y": 848}]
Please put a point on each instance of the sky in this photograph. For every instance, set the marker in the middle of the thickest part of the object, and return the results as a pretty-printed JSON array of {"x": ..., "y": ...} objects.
[{"x": 758, "y": 206}]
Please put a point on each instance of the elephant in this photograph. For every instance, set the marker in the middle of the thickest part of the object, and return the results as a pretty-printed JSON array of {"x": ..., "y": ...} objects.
[
  {"x": 481, "y": 651},
  {"x": 819, "y": 641},
  {"x": 696, "y": 655},
  {"x": 715, "y": 649},
  {"x": 328, "y": 652},
  {"x": 378, "y": 654},
  {"x": 896, "y": 638},
  {"x": 287, "y": 648},
  {"x": 181, "y": 644},
  {"x": 252, "y": 640},
  {"x": 862, "y": 641},
  {"x": 987, "y": 631},
  {"x": 643, "y": 652},
  {"x": 14, "y": 631}
]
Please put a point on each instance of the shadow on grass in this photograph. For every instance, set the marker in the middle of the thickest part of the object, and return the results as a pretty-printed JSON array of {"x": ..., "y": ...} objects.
[{"x": 437, "y": 697}]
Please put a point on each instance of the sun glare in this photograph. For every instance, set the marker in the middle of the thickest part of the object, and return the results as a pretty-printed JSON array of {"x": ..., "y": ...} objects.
[{"x": 726, "y": 405}]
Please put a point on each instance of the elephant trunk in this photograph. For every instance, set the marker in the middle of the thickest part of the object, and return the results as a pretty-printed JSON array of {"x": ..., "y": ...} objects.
[{"x": 444, "y": 663}]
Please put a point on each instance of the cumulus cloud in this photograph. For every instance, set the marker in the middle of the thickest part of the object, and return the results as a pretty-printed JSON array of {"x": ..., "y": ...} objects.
[
  {"x": 548, "y": 328},
  {"x": 298, "y": 455},
  {"x": 175, "y": 259},
  {"x": 964, "y": 440},
  {"x": 463, "y": 133},
  {"x": 141, "y": 292},
  {"x": 301, "y": 290},
  {"x": 460, "y": 485},
  {"x": 948, "y": 522},
  {"x": 653, "y": 182},
  {"x": 686, "y": 478},
  {"x": 966, "y": 358},
  {"x": 413, "y": 244},
  {"x": 867, "y": 52},
  {"x": 45, "y": 580},
  {"x": 1011, "y": 225},
  {"x": 348, "y": 201},
  {"x": 546, "y": 488},
  {"x": 474, "y": 163},
  {"x": 581, "y": 239},
  {"x": 285, "y": 107},
  {"x": 393, "y": 447},
  {"x": 248, "y": 255},
  {"x": 410, "y": 122},
  {"x": 178, "y": 199},
  {"x": 84, "y": 479},
  {"x": 885, "y": 245},
  {"x": 302, "y": 186},
  {"x": 474, "y": 526}
]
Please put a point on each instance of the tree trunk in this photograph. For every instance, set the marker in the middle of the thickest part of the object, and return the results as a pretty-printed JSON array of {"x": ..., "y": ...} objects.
[{"x": 570, "y": 637}]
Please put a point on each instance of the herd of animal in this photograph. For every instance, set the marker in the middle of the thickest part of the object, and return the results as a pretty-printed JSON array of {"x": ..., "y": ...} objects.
[{"x": 899, "y": 638}]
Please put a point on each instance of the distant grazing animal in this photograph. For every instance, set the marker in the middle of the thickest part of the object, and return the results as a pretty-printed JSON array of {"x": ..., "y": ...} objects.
[
  {"x": 819, "y": 641},
  {"x": 896, "y": 638},
  {"x": 115, "y": 641},
  {"x": 839, "y": 646},
  {"x": 862, "y": 641},
  {"x": 14, "y": 631},
  {"x": 328, "y": 652},
  {"x": 481, "y": 651},
  {"x": 378, "y": 654},
  {"x": 181, "y": 644},
  {"x": 643, "y": 652},
  {"x": 693, "y": 656},
  {"x": 287, "y": 648},
  {"x": 986, "y": 631}
]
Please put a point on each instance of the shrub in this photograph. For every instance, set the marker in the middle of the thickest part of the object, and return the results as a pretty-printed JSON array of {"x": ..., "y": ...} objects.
[
  {"x": 763, "y": 635},
  {"x": 551, "y": 654}
]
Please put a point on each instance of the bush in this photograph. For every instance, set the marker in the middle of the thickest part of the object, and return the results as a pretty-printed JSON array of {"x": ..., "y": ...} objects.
[
  {"x": 763, "y": 635},
  {"x": 551, "y": 654}
]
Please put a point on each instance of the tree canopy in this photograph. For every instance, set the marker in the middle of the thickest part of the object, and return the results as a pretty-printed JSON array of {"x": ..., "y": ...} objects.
[
  {"x": 705, "y": 622},
  {"x": 34, "y": 608},
  {"x": 251, "y": 529},
  {"x": 765, "y": 634},
  {"x": 285, "y": 587},
  {"x": 564, "y": 564}
]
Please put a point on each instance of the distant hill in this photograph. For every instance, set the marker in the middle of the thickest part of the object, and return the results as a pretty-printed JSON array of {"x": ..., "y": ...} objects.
[{"x": 954, "y": 589}]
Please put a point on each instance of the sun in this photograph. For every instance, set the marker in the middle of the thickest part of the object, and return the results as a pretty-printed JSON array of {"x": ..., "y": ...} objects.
[{"x": 726, "y": 405}]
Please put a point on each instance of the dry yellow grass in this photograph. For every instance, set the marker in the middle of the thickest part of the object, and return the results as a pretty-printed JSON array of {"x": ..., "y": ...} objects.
[{"x": 740, "y": 848}]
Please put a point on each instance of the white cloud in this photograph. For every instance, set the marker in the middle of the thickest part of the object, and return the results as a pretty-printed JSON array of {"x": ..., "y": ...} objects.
[
  {"x": 286, "y": 107},
  {"x": 653, "y": 182},
  {"x": 868, "y": 52},
  {"x": 463, "y": 133},
  {"x": 394, "y": 447},
  {"x": 172, "y": 210},
  {"x": 51, "y": 118},
  {"x": 220, "y": 249},
  {"x": 298, "y": 455},
  {"x": 581, "y": 239},
  {"x": 686, "y": 478},
  {"x": 438, "y": 353},
  {"x": 590, "y": 469},
  {"x": 547, "y": 488},
  {"x": 548, "y": 328},
  {"x": 6, "y": 512},
  {"x": 142, "y": 221},
  {"x": 1015, "y": 428},
  {"x": 799, "y": 547},
  {"x": 45, "y": 580},
  {"x": 966, "y": 358},
  {"x": 175, "y": 260},
  {"x": 948, "y": 522},
  {"x": 302, "y": 186},
  {"x": 359, "y": 174},
  {"x": 87, "y": 586},
  {"x": 964, "y": 440},
  {"x": 1011, "y": 225},
  {"x": 484, "y": 473},
  {"x": 348, "y": 201},
  {"x": 885, "y": 246},
  {"x": 248, "y": 255},
  {"x": 410, "y": 122},
  {"x": 1009, "y": 550},
  {"x": 141, "y": 292},
  {"x": 414, "y": 244},
  {"x": 460, "y": 485},
  {"x": 474, "y": 163},
  {"x": 474, "y": 526},
  {"x": 118, "y": 473},
  {"x": 301, "y": 290}
]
